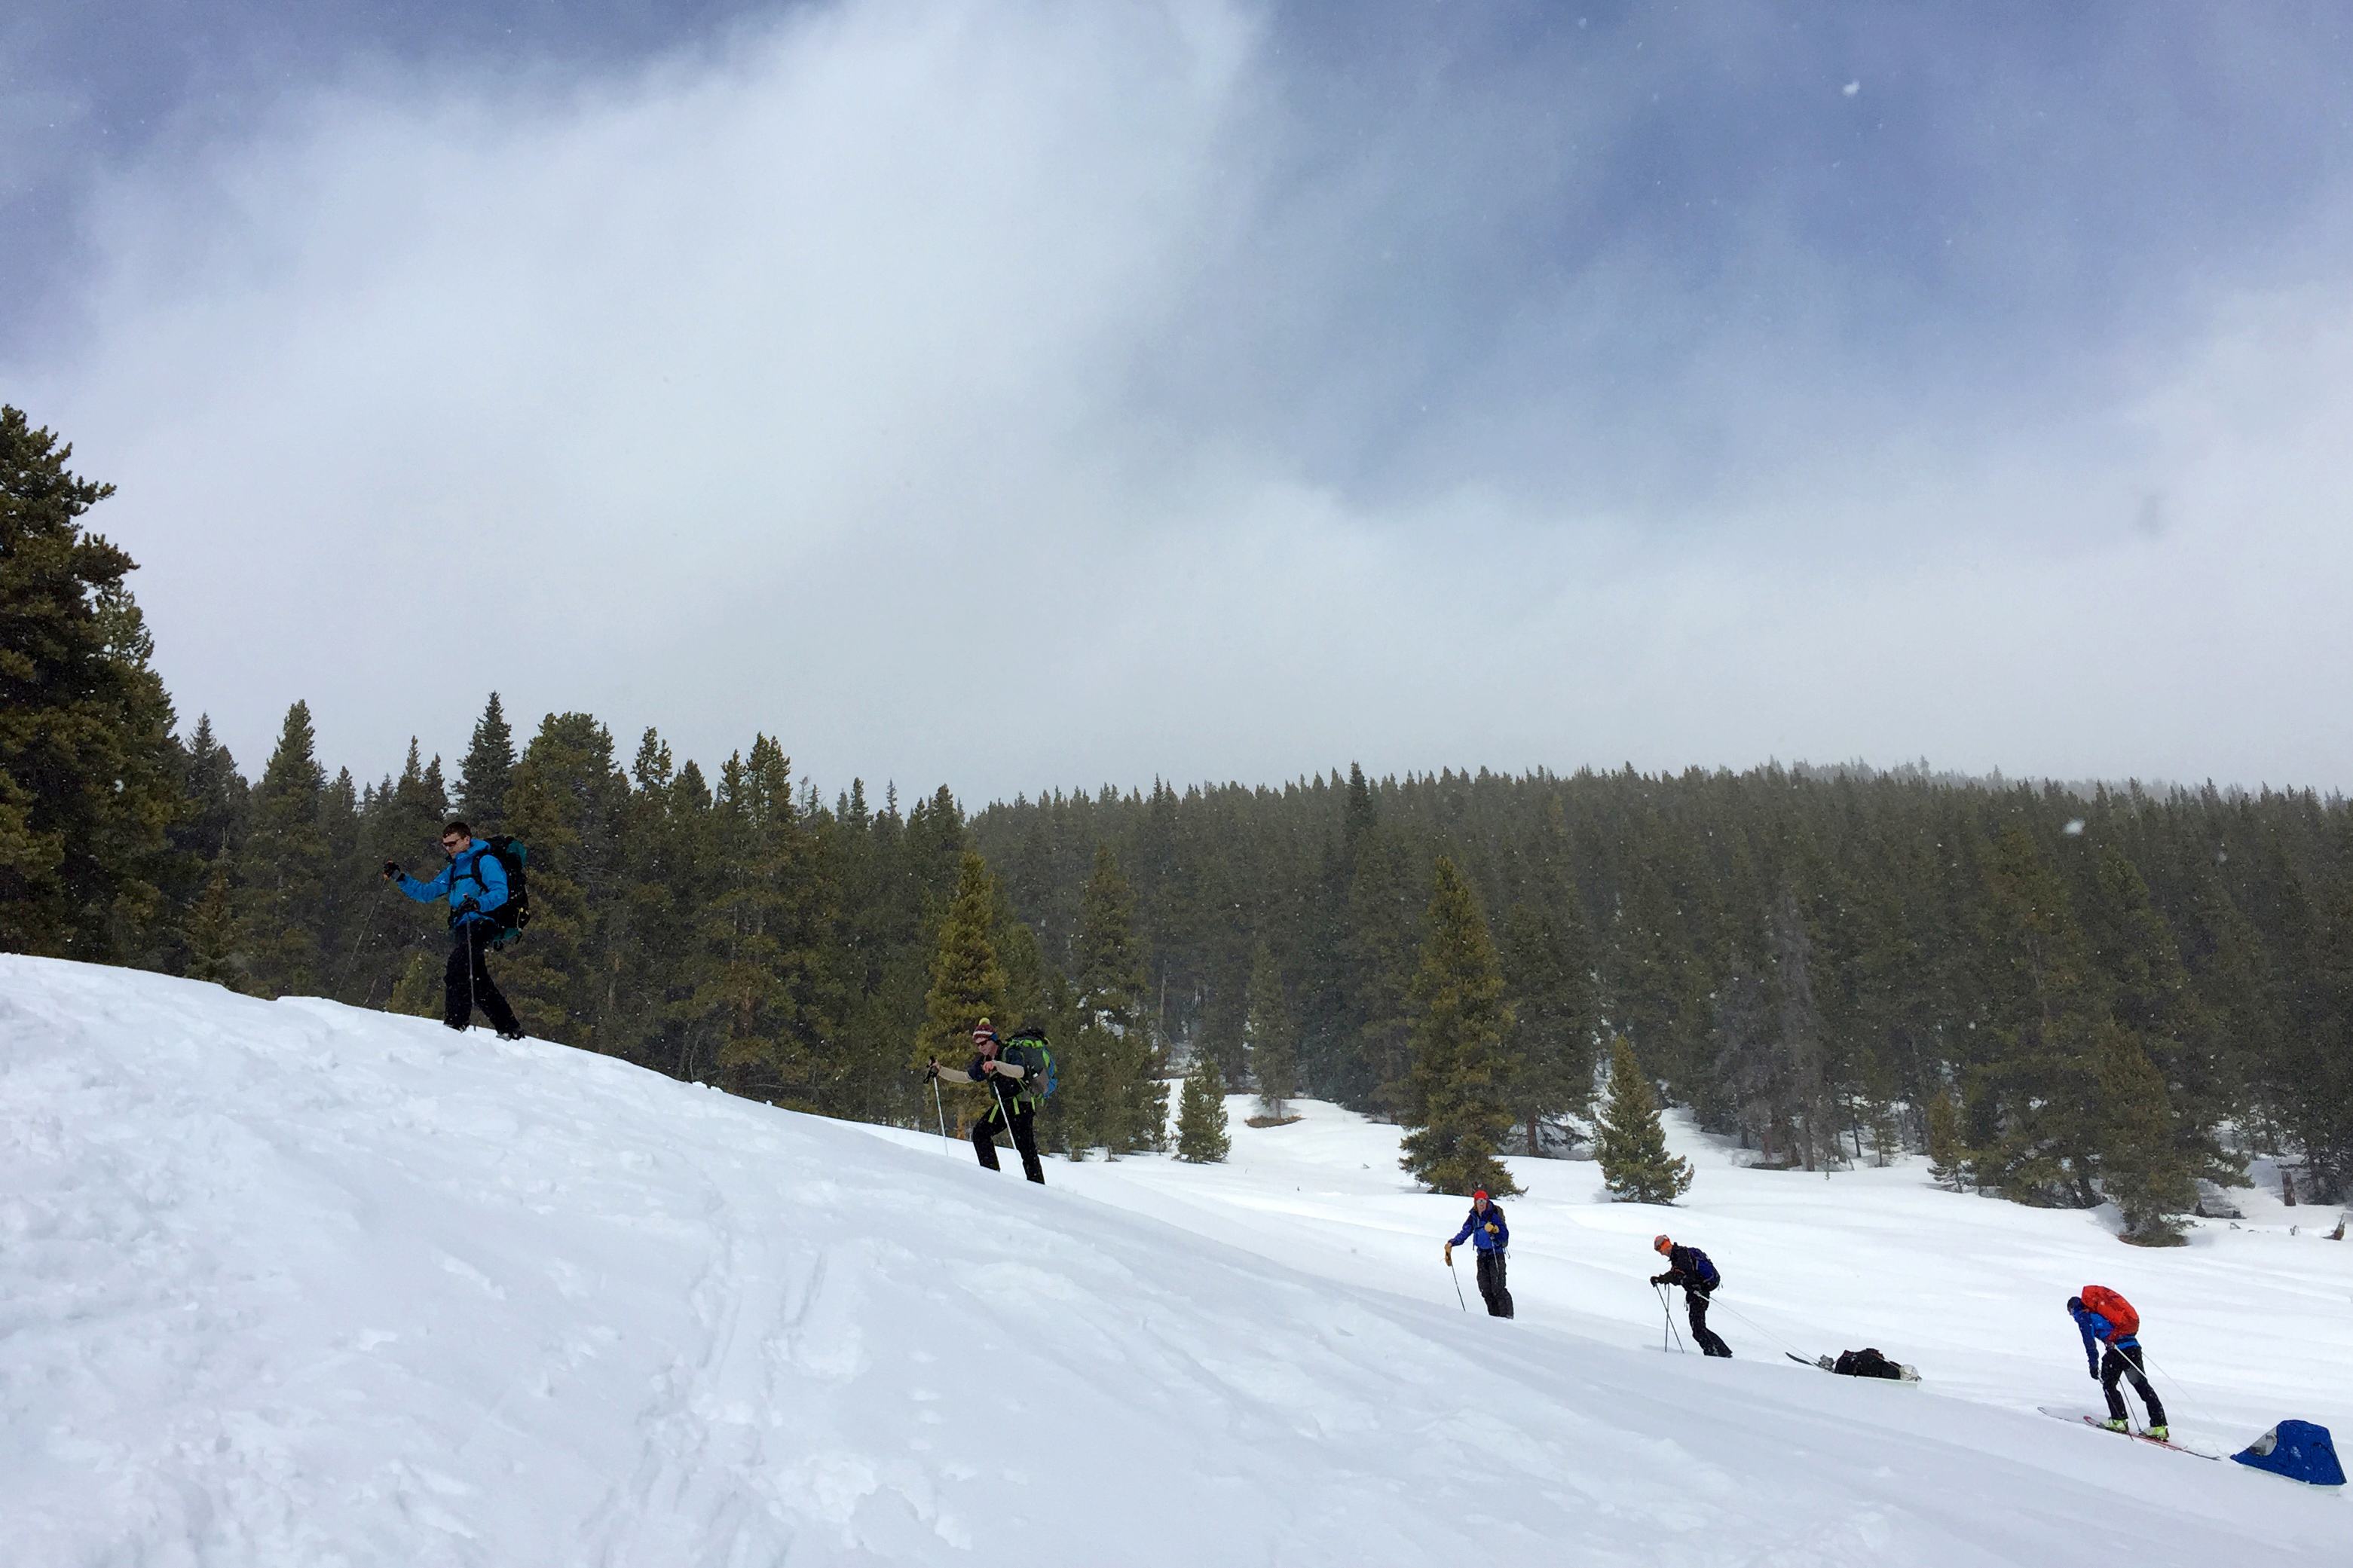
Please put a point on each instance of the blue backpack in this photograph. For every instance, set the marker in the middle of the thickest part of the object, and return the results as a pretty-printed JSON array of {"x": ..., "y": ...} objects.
[{"x": 1706, "y": 1269}]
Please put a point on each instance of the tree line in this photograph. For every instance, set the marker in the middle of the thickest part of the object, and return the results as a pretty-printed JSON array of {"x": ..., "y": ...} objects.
[{"x": 2063, "y": 994}]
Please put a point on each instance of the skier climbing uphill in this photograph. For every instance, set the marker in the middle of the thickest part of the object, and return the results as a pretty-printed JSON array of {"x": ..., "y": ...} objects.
[
  {"x": 2107, "y": 1319},
  {"x": 1689, "y": 1267},
  {"x": 1013, "y": 1106},
  {"x": 1485, "y": 1227}
]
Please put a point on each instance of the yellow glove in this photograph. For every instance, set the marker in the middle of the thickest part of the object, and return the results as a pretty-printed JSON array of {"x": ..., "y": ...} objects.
[
  {"x": 1450, "y": 1254},
  {"x": 1491, "y": 1227}
]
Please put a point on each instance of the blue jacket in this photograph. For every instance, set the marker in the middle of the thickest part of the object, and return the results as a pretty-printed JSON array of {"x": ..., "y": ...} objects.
[
  {"x": 475, "y": 874},
  {"x": 1474, "y": 1225},
  {"x": 2097, "y": 1331}
]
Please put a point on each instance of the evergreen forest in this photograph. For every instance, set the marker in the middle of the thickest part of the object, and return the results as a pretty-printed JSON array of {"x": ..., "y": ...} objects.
[{"x": 2063, "y": 994}]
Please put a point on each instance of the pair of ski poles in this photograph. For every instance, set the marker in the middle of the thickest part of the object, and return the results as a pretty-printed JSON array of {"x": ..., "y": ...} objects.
[{"x": 940, "y": 1109}]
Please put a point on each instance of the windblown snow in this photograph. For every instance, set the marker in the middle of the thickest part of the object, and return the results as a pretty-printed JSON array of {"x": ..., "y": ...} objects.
[{"x": 288, "y": 1283}]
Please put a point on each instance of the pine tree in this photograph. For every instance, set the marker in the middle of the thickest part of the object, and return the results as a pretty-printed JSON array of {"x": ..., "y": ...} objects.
[
  {"x": 1457, "y": 1108},
  {"x": 1877, "y": 1105},
  {"x": 1119, "y": 1102},
  {"x": 90, "y": 778},
  {"x": 283, "y": 868},
  {"x": 1377, "y": 958},
  {"x": 213, "y": 825},
  {"x": 1749, "y": 1066},
  {"x": 2144, "y": 1170},
  {"x": 2045, "y": 1011},
  {"x": 1632, "y": 1145},
  {"x": 403, "y": 824},
  {"x": 215, "y": 953},
  {"x": 967, "y": 981},
  {"x": 567, "y": 801},
  {"x": 1948, "y": 1154},
  {"x": 761, "y": 984},
  {"x": 1272, "y": 1037},
  {"x": 1547, "y": 973},
  {"x": 488, "y": 772},
  {"x": 1799, "y": 1042},
  {"x": 1201, "y": 1114}
]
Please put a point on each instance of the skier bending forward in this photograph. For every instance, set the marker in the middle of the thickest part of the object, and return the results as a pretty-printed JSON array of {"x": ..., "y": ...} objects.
[
  {"x": 2107, "y": 1319},
  {"x": 1689, "y": 1267}
]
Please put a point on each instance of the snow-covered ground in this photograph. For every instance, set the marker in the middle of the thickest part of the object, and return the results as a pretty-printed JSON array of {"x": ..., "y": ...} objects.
[{"x": 288, "y": 1283}]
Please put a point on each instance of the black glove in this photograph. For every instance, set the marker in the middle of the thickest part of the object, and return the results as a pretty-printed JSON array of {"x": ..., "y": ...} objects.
[
  {"x": 932, "y": 1072},
  {"x": 2095, "y": 1375},
  {"x": 470, "y": 908},
  {"x": 1658, "y": 1278},
  {"x": 391, "y": 869}
]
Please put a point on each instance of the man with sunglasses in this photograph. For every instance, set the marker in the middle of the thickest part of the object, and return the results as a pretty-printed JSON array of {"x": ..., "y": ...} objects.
[{"x": 465, "y": 983}]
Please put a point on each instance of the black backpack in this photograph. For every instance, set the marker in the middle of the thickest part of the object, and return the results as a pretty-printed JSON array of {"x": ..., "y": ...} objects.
[
  {"x": 1866, "y": 1363},
  {"x": 511, "y": 917}
]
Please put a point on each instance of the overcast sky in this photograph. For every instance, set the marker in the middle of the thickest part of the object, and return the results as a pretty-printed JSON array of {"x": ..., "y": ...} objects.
[{"x": 1023, "y": 395}]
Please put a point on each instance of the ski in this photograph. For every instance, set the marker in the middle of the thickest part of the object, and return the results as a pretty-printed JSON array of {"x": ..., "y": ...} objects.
[{"x": 2094, "y": 1422}]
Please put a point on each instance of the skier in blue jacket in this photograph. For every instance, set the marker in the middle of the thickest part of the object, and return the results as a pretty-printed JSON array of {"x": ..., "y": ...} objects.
[
  {"x": 2106, "y": 1320},
  {"x": 1486, "y": 1230},
  {"x": 475, "y": 884}
]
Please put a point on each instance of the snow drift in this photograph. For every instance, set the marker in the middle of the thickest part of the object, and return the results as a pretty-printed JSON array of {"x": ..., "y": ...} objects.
[{"x": 290, "y": 1283}]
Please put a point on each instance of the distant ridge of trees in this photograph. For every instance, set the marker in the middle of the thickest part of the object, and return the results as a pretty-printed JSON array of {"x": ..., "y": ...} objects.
[{"x": 2076, "y": 993}]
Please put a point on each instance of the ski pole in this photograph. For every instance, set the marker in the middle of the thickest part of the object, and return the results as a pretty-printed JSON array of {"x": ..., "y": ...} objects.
[
  {"x": 367, "y": 927},
  {"x": 1457, "y": 1277},
  {"x": 941, "y": 1110},
  {"x": 1667, "y": 1316}
]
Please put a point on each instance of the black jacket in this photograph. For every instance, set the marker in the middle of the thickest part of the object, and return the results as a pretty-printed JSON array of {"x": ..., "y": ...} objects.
[{"x": 1691, "y": 1268}]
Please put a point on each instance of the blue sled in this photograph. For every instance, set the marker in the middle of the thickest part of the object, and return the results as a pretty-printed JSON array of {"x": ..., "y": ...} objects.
[{"x": 2298, "y": 1450}]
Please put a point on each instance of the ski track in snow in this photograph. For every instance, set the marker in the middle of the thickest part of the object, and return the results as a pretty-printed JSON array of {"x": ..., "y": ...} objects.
[{"x": 292, "y": 1284}]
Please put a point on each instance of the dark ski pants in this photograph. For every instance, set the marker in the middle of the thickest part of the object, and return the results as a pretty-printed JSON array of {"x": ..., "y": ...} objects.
[
  {"x": 1709, "y": 1342},
  {"x": 2124, "y": 1361},
  {"x": 1022, "y": 1122},
  {"x": 465, "y": 983},
  {"x": 1491, "y": 1289}
]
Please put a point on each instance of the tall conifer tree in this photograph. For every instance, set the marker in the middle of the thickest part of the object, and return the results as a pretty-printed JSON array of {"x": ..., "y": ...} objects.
[
  {"x": 1119, "y": 1102},
  {"x": 89, "y": 780},
  {"x": 1458, "y": 1110},
  {"x": 283, "y": 868},
  {"x": 1547, "y": 971},
  {"x": 487, "y": 771},
  {"x": 1273, "y": 1038}
]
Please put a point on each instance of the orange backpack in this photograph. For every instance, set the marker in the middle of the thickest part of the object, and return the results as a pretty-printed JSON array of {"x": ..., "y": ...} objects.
[{"x": 2123, "y": 1320}]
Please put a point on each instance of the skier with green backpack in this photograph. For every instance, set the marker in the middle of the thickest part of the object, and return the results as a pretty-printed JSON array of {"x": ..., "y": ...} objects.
[{"x": 1019, "y": 1074}]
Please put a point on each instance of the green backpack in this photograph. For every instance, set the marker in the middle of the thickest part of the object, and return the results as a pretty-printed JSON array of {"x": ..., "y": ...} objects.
[{"x": 1036, "y": 1061}]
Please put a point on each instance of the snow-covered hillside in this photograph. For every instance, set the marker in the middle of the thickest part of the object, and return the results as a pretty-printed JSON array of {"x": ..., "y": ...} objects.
[{"x": 287, "y": 1283}]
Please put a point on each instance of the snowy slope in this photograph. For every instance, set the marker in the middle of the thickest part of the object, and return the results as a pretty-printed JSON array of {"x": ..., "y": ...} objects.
[
  {"x": 287, "y": 1283},
  {"x": 2246, "y": 1324}
]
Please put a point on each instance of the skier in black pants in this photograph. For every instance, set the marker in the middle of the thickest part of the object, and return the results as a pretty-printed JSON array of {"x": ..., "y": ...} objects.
[
  {"x": 2107, "y": 1320},
  {"x": 1689, "y": 1267},
  {"x": 474, "y": 924},
  {"x": 1012, "y": 1107},
  {"x": 1485, "y": 1227}
]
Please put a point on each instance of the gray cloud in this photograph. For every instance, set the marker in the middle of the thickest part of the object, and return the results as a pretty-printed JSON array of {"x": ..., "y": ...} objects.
[{"x": 1047, "y": 394}]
